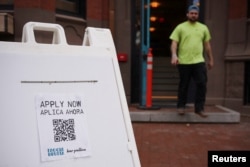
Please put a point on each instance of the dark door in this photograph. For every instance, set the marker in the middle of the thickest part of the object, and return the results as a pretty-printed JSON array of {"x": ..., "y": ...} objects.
[{"x": 247, "y": 84}]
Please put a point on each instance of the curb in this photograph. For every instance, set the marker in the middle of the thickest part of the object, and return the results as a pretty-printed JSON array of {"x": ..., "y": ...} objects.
[{"x": 171, "y": 116}]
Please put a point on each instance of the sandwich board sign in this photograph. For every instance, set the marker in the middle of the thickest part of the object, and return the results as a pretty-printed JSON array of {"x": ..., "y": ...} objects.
[{"x": 63, "y": 105}]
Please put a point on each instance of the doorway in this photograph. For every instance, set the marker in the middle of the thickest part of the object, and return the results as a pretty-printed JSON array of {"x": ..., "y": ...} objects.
[{"x": 164, "y": 16}]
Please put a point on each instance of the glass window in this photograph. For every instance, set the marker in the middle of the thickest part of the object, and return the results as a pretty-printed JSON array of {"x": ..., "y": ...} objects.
[
  {"x": 6, "y": 4},
  {"x": 248, "y": 8},
  {"x": 71, "y": 7}
]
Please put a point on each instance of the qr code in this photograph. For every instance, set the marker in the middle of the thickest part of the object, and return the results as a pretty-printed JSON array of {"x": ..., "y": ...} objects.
[{"x": 64, "y": 130}]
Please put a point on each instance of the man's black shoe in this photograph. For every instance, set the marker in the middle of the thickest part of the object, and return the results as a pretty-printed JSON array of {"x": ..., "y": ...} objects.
[
  {"x": 201, "y": 114},
  {"x": 181, "y": 111}
]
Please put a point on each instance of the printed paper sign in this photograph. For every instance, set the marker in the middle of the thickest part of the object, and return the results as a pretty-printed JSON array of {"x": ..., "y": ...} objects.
[{"x": 62, "y": 126}]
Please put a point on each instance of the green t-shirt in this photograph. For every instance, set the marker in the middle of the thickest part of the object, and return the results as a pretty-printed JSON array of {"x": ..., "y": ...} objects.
[{"x": 190, "y": 38}]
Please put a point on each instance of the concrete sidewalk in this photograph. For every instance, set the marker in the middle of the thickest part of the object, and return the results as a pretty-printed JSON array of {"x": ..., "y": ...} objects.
[
  {"x": 187, "y": 144},
  {"x": 216, "y": 114}
]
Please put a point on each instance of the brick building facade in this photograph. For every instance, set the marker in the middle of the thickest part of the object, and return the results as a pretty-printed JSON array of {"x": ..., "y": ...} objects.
[{"x": 228, "y": 21}]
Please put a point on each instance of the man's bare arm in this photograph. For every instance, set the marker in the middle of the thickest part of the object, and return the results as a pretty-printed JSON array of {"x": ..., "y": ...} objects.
[
  {"x": 209, "y": 54},
  {"x": 173, "y": 48}
]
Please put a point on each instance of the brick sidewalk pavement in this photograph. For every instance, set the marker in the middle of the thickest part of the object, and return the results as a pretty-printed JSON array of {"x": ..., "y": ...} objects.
[{"x": 186, "y": 145}]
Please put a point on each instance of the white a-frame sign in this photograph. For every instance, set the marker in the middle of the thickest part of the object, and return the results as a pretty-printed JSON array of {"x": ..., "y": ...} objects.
[{"x": 63, "y": 105}]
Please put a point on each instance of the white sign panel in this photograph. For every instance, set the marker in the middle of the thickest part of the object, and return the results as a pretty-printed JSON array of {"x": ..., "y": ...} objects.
[
  {"x": 62, "y": 126},
  {"x": 72, "y": 113}
]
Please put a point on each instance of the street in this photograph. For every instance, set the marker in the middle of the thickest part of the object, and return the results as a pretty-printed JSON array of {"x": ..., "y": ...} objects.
[{"x": 187, "y": 145}]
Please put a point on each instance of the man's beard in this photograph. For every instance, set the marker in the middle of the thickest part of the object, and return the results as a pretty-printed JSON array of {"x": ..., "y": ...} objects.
[{"x": 193, "y": 20}]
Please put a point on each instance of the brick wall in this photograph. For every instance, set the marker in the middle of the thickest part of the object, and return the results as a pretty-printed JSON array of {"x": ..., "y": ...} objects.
[
  {"x": 98, "y": 9},
  {"x": 237, "y": 9},
  {"x": 43, "y": 4}
]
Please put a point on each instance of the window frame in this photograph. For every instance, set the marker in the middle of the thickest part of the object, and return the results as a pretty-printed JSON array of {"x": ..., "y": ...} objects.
[{"x": 75, "y": 8}]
